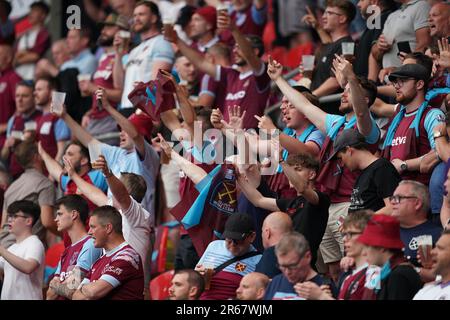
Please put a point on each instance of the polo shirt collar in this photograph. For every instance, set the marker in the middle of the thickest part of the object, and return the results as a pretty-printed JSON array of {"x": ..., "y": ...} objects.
[{"x": 410, "y": 3}]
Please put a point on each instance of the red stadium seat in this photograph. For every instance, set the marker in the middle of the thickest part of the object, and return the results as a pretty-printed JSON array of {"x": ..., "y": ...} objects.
[
  {"x": 159, "y": 287},
  {"x": 53, "y": 254}
]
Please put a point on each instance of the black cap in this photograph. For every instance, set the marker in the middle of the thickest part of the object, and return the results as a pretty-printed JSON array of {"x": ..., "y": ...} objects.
[
  {"x": 415, "y": 71},
  {"x": 348, "y": 138},
  {"x": 238, "y": 226}
]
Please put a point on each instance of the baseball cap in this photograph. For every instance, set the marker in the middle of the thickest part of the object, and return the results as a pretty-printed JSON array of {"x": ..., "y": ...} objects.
[
  {"x": 116, "y": 20},
  {"x": 238, "y": 226},
  {"x": 143, "y": 124},
  {"x": 415, "y": 71},
  {"x": 209, "y": 14},
  {"x": 348, "y": 138}
]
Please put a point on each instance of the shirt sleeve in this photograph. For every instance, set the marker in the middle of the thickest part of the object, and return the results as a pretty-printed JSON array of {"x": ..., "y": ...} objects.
[
  {"x": 284, "y": 204},
  {"x": 259, "y": 16},
  {"x": 162, "y": 51},
  {"x": 374, "y": 134},
  {"x": 262, "y": 79},
  {"x": 89, "y": 65},
  {"x": 88, "y": 255},
  {"x": 35, "y": 250},
  {"x": 421, "y": 15},
  {"x": 58, "y": 269},
  {"x": 123, "y": 266},
  {"x": 64, "y": 180},
  {"x": 98, "y": 180},
  {"x": 136, "y": 215},
  {"x": 9, "y": 126},
  {"x": 47, "y": 195},
  {"x": 208, "y": 86},
  {"x": 151, "y": 159},
  {"x": 317, "y": 137},
  {"x": 431, "y": 121},
  {"x": 61, "y": 130},
  {"x": 330, "y": 120},
  {"x": 386, "y": 187}
]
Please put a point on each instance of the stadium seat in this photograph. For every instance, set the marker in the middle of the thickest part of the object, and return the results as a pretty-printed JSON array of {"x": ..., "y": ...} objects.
[
  {"x": 52, "y": 256},
  {"x": 159, "y": 287}
]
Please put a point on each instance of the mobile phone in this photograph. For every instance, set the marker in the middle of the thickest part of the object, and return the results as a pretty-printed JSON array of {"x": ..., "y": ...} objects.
[{"x": 403, "y": 46}]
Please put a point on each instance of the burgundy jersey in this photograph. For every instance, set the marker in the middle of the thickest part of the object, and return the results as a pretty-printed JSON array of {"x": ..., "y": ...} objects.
[
  {"x": 353, "y": 286},
  {"x": 123, "y": 266},
  {"x": 213, "y": 88},
  {"x": 18, "y": 124},
  {"x": 8, "y": 81},
  {"x": 248, "y": 90},
  {"x": 45, "y": 131},
  {"x": 405, "y": 145},
  {"x": 103, "y": 77}
]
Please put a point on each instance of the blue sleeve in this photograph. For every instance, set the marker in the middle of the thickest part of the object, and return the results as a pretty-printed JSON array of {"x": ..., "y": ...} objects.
[
  {"x": 259, "y": 16},
  {"x": 9, "y": 126},
  {"x": 111, "y": 153},
  {"x": 163, "y": 51},
  {"x": 61, "y": 130},
  {"x": 125, "y": 59},
  {"x": 90, "y": 65},
  {"x": 64, "y": 181},
  {"x": 206, "y": 180},
  {"x": 88, "y": 255},
  {"x": 374, "y": 134},
  {"x": 98, "y": 180},
  {"x": 317, "y": 137},
  {"x": 330, "y": 120},
  {"x": 58, "y": 268},
  {"x": 431, "y": 121}
]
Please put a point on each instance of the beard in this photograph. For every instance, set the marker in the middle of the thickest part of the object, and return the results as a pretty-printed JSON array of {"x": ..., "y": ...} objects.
[
  {"x": 105, "y": 41},
  {"x": 402, "y": 99}
]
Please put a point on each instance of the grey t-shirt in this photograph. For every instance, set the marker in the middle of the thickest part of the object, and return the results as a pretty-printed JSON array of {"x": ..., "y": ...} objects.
[
  {"x": 33, "y": 186},
  {"x": 401, "y": 25}
]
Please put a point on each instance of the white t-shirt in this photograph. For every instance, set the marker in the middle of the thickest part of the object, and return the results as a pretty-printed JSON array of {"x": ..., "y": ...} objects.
[
  {"x": 137, "y": 226},
  {"x": 434, "y": 291},
  {"x": 18, "y": 285},
  {"x": 139, "y": 63}
]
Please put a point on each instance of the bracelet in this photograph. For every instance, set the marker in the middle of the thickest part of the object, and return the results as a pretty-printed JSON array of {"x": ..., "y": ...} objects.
[{"x": 107, "y": 176}]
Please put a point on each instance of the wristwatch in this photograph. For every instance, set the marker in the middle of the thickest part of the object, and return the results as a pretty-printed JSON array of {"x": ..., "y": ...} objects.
[
  {"x": 438, "y": 134},
  {"x": 404, "y": 166}
]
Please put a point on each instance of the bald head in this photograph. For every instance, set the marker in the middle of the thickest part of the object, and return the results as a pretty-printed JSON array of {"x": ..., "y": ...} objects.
[
  {"x": 252, "y": 287},
  {"x": 275, "y": 225},
  {"x": 6, "y": 56},
  {"x": 439, "y": 20},
  {"x": 60, "y": 52}
]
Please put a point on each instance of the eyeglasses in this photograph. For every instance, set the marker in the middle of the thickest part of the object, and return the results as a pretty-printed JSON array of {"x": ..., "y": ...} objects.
[
  {"x": 290, "y": 267},
  {"x": 400, "y": 82},
  {"x": 397, "y": 199},
  {"x": 15, "y": 216},
  {"x": 332, "y": 12},
  {"x": 349, "y": 235}
]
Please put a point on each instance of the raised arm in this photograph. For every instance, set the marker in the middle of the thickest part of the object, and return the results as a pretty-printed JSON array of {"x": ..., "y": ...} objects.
[
  {"x": 116, "y": 186},
  {"x": 53, "y": 167},
  {"x": 255, "y": 197},
  {"x": 193, "y": 55},
  {"x": 224, "y": 22},
  {"x": 313, "y": 113},
  {"x": 78, "y": 131},
  {"x": 123, "y": 122},
  {"x": 194, "y": 172},
  {"x": 301, "y": 185},
  {"x": 363, "y": 120},
  {"x": 90, "y": 191}
]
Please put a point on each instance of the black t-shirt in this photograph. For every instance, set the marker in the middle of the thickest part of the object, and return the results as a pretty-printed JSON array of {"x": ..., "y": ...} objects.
[
  {"x": 362, "y": 52},
  {"x": 325, "y": 61},
  {"x": 402, "y": 284},
  {"x": 309, "y": 220},
  {"x": 376, "y": 182}
]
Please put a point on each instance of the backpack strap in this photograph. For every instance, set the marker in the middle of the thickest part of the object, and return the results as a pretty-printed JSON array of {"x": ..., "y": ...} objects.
[{"x": 233, "y": 260}]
